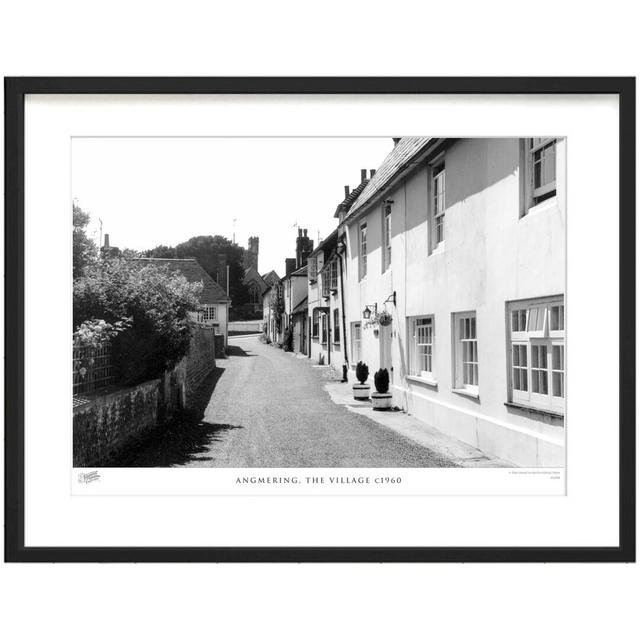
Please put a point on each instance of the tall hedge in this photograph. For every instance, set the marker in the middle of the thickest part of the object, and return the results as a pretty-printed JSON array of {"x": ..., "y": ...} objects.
[{"x": 157, "y": 301}]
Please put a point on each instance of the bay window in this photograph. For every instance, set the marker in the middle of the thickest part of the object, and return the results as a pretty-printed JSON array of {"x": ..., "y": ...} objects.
[{"x": 536, "y": 356}]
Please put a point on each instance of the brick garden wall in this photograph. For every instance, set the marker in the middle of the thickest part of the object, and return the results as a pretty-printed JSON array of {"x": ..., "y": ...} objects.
[
  {"x": 103, "y": 423},
  {"x": 198, "y": 363}
]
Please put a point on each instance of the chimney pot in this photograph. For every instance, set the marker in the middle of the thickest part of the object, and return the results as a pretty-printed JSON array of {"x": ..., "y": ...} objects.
[
  {"x": 106, "y": 240},
  {"x": 346, "y": 190},
  {"x": 395, "y": 141},
  {"x": 372, "y": 172},
  {"x": 363, "y": 175},
  {"x": 299, "y": 232},
  {"x": 305, "y": 232}
]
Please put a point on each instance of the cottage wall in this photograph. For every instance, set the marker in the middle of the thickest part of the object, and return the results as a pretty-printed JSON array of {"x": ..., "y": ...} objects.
[{"x": 491, "y": 256}]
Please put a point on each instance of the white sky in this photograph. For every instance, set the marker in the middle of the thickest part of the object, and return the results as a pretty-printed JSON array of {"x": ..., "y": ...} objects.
[{"x": 151, "y": 191}]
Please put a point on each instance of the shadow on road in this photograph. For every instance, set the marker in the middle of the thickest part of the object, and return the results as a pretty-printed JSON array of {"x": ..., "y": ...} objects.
[
  {"x": 235, "y": 350},
  {"x": 180, "y": 441}
]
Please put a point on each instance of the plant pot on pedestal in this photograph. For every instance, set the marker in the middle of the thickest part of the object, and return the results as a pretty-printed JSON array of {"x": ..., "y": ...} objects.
[
  {"x": 361, "y": 389},
  {"x": 381, "y": 399}
]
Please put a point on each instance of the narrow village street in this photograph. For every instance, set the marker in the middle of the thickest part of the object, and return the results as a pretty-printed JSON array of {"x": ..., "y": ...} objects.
[{"x": 268, "y": 408}]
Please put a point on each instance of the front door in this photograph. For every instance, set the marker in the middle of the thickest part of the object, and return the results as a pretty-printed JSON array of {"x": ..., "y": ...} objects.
[{"x": 303, "y": 336}]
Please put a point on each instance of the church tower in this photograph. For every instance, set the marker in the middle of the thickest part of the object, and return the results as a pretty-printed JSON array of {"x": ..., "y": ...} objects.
[{"x": 251, "y": 255}]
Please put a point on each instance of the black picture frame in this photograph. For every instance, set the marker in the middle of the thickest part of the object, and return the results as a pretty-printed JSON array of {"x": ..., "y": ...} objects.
[{"x": 15, "y": 91}]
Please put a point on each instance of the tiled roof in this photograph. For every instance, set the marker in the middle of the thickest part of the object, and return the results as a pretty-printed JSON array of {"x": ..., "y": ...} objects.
[
  {"x": 345, "y": 205},
  {"x": 301, "y": 307},
  {"x": 271, "y": 277},
  {"x": 400, "y": 156},
  {"x": 302, "y": 271},
  {"x": 190, "y": 268},
  {"x": 327, "y": 243}
]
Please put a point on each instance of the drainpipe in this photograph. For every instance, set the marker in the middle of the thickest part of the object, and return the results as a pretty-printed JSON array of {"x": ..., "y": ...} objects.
[{"x": 344, "y": 321}]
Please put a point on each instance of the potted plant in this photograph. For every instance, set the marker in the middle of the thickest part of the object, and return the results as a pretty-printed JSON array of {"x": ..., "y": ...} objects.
[
  {"x": 361, "y": 391},
  {"x": 381, "y": 398}
]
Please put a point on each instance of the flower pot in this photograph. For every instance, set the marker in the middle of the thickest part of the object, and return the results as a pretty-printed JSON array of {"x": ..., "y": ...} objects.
[
  {"x": 381, "y": 401},
  {"x": 361, "y": 391}
]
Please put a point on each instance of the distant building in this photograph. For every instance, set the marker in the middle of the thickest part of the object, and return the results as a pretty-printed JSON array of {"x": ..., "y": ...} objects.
[
  {"x": 213, "y": 298},
  {"x": 255, "y": 283},
  {"x": 326, "y": 277},
  {"x": 251, "y": 253},
  {"x": 294, "y": 316}
]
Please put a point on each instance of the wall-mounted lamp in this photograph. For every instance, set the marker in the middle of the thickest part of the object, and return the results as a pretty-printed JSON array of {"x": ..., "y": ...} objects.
[
  {"x": 341, "y": 247},
  {"x": 366, "y": 314}
]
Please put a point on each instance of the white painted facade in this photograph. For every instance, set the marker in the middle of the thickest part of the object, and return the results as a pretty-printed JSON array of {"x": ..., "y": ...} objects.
[
  {"x": 498, "y": 249},
  {"x": 325, "y": 316},
  {"x": 216, "y": 316}
]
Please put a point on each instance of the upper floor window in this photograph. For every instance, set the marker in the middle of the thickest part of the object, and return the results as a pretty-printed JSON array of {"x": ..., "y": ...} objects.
[
  {"x": 536, "y": 357},
  {"x": 333, "y": 275},
  {"x": 386, "y": 237},
  {"x": 312, "y": 266},
  {"x": 543, "y": 163},
  {"x": 438, "y": 203},
  {"x": 539, "y": 171},
  {"x": 315, "y": 323},
  {"x": 326, "y": 281},
  {"x": 363, "y": 250}
]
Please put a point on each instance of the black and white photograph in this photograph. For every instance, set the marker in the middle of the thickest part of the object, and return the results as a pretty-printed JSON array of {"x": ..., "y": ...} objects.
[{"x": 319, "y": 302}]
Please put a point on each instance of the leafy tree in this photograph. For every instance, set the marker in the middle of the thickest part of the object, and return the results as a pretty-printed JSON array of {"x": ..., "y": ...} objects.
[
  {"x": 208, "y": 251},
  {"x": 85, "y": 251},
  {"x": 153, "y": 300},
  {"x": 161, "y": 251}
]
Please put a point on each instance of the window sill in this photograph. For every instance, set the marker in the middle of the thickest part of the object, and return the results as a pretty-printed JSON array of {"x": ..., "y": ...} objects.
[
  {"x": 467, "y": 392},
  {"x": 536, "y": 410},
  {"x": 425, "y": 381},
  {"x": 336, "y": 344},
  {"x": 545, "y": 205},
  {"x": 437, "y": 249}
]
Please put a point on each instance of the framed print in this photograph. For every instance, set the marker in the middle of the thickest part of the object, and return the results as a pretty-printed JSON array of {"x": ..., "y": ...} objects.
[{"x": 320, "y": 319}]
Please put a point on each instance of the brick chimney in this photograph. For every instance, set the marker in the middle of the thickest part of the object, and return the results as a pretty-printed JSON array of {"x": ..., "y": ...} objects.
[
  {"x": 304, "y": 246},
  {"x": 289, "y": 265},
  {"x": 363, "y": 175}
]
